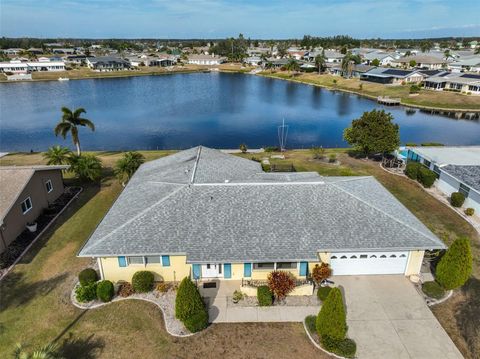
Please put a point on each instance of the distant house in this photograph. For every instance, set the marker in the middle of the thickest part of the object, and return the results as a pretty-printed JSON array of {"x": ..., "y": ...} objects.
[
  {"x": 12, "y": 51},
  {"x": 77, "y": 59},
  {"x": 465, "y": 83},
  {"x": 35, "y": 51},
  {"x": 466, "y": 64},
  {"x": 25, "y": 192},
  {"x": 63, "y": 51},
  {"x": 357, "y": 70},
  {"x": 333, "y": 56},
  {"x": 18, "y": 67},
  {"x": 457, "y": 168},
  {"x": 253, "y": 60},
  {"x": 206, "y": 59},
  {"x": 392, "y": 76},
  {"x": 421, "y": 61},
  {"x": 383, "y": 58},
  {"x": 107, "y": 63}
]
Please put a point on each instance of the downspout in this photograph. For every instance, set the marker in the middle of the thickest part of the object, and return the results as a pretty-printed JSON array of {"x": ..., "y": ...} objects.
[{"x": 100, "y": 267}]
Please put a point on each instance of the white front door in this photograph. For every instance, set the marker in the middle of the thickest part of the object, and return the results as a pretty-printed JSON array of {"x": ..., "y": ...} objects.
[{"x": 212, "y": 270}]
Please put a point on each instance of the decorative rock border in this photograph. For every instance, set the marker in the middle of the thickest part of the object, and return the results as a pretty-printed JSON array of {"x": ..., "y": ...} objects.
[
  {"x": 163, "y": 301},
  {"x": 318, "y": 345}
]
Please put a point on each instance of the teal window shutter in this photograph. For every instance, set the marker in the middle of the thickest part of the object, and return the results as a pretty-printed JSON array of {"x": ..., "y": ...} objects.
[
  {"x": 166, "y": 261},
  {"x": 122, "y": 261},
  {"x": 247, "y": 269},
  {"x": 196, "y": 271},
  {"x": 227, "y": 270},
  {"x": 303, "y": 268}
]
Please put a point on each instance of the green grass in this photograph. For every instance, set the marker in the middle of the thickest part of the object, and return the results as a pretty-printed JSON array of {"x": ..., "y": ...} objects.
[{"x": 311, "y": 323}]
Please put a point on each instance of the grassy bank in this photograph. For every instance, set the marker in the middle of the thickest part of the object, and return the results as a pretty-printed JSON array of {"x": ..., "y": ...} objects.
[
  {"x": 425, "y": 99},
  {"x": 35, "y": 305}
]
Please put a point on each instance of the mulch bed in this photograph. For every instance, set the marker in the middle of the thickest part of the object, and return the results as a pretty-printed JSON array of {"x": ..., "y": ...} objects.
[{"x": 16, "y": 248}]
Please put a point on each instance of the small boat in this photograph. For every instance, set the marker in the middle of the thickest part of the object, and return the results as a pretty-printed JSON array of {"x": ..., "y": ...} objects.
[{"x": 63, "y": 79}]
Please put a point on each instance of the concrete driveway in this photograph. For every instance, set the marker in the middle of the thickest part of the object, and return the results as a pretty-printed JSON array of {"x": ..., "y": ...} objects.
[{"x": 388, "y": 318}]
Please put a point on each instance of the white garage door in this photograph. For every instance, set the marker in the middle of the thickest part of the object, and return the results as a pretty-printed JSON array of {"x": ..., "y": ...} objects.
[{"x": 368, "y": 263}]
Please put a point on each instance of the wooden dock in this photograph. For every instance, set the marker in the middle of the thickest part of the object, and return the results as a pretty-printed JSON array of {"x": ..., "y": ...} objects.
[{"x": 385, "y": 100}]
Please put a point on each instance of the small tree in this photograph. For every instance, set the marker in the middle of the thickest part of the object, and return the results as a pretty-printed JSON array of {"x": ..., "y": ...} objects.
[
  {"x": 87, "y": 167},
  {"x": 455, "y": 267},
  {"x": 332, "y": 320},
  {"x": 375, "y": 62},
  {"x": 127, "y": 165},
  {"x": 57, "y": 155},
  {"x": 321, "y": 272},
  {"x": 318, "y": 152},
  {"x": 373, "y": 132},
  {"x": 188, "y": 300},
  {"x": 411, "y": 170},
  {"x": 457, "y": 199},
  {"x": 280, "y": 283},
  {"x": 412, "y": 63},
  {"x": 426, "y": 177},
  {"x": 243, "y": 148}
]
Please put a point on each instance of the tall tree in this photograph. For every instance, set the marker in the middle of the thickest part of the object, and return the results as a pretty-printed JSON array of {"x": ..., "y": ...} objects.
[
  {"x": 320, "y": 62},
  {"x": 348, "y": 63},
  {"x": 57, "y": 155},
  {"x": 332, "y": 319},
  {"x": 292, "y": 65},
  {"x": 70, "y": 122},
  {"x": 373, "y": 132}
]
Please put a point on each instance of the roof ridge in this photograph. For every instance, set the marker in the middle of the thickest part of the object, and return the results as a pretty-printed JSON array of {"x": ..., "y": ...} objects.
[
  {"x": 195, "y": 164},
  {"x": 383, "y": 212}
]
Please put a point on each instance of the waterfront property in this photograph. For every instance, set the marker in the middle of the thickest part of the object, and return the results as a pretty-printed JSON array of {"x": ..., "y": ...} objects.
[
  {"x": 457, "y": 168},
  {"x": 457, "y": 82},
  {"x": 385, "y": 75},
  {"x": 25, "y": 192},
  {"x": 206, "y": 59},
  {"x": 209, "y": 215},
  {"x": 107, "y": 63},
  {"x": 18, "y": 67}
]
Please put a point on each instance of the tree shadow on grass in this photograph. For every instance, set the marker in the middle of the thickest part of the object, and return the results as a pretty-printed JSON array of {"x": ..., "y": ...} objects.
[
  {"x": 81, "y": 348},
  {"x": 468, "y": 316}
]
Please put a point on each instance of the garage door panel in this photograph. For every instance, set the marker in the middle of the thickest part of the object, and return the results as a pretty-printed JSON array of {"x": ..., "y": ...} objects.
[{"x": 362, "y": 263}]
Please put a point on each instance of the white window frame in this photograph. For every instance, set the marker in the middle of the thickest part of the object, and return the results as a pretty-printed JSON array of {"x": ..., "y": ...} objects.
[
  {"x": 135, "y": 264},
  {"x": 29, "y": 199},
  {"x": 152, "y": 264},
  {"x": 49, "y": 183}
]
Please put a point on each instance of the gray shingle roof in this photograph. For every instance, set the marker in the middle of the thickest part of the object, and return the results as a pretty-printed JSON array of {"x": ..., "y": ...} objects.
[
  {"x": 469, "y": 175},
  {"x": 182, "y": 204}
]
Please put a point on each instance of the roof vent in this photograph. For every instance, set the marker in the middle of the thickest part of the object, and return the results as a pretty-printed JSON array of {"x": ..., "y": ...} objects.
[{"x": 226, "y": 181}]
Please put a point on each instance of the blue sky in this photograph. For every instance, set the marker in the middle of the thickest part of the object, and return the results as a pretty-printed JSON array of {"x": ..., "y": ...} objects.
[{"x": 255, "y": 19}]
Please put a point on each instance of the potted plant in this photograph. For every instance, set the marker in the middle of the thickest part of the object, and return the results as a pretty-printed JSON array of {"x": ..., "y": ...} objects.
[
  {"x": 237, "y": 296},
  {"x": 32, "y": 226}
]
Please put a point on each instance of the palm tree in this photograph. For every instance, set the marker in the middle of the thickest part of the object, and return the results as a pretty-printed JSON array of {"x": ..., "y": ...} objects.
[
  {"x": 127, "y": 165},
  {"x": 292, "y": 65},
  {"x": 70, "y": 122},
  {"x": 49, "y": 351},
  {"x": 269, "y": 65},
  {"x": 348, "y": 62},
  {"x": 320, "y": 62},
  {"x": 448, "y": 54},
  {"x": 86, "y": 167},
  {"x": 57, "y": 155}
]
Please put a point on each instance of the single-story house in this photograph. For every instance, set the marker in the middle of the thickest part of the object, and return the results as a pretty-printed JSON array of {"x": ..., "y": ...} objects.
[
  {"x": 333, "y": 56},
  {"x": 392, "y": 76},
  {"x": 466, "y": 64},
  {"x": 357, "y": 70},
  {"x": 206, "y": 214},
  {"x": 421, "y": 61},
  {"x": 18, "y": 67},
  {"x": 206, "y": 59},
  {"x": 457, "y": 168},
  {"x": 13, "y": 51},
  {"x": 25, "y": 192},
  {"x": 64, "y": 51},
  {"x": 107, "y": 63},
  {"x": 457, "y": 82},
  {"x": 253, "y": 60},
  {"x": 384, "y": 58}
]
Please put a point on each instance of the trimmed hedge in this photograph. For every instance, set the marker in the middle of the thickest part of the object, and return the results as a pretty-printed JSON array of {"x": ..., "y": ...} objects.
[
  {"x": 332, "y": 320},
  {"x": 457, "y": 199},
  {"x": 426, "y": 177},
  {"x": 343, "y": 347},
  {"x": 455, "y": 267},
  {"x": 433, "y": 290},
  {"x": 86, "y": 293},
  {"x": 189, "y": 306},
  {"x": 411, "y": 170},
  {"x": 105, "y": 290},
  {"x": 311, "y": 323},
  {"x": 142, "y": 281},
  {"x": 87, "y": 276},
  {"x": 264, "y": 296},
  {"x": 323, "y": 292}
]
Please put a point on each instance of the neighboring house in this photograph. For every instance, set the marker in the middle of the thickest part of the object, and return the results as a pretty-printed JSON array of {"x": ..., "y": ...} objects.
[
  {"x": 392, "y": 76},
  {"x": 77, "y": 59},
  {"x": 25, "y": 192},
  {"x": 333, "y": 56},
  {"x": 253, "y": 60},
  {"x": 13, "y": 51},
  {"x": 208, "y": 214},
  {"x": 357, "y": 70},
  {"x": 421, "y": 62},
  {"x": 107, "y": 63},
  {"x": 206, "y": 59},
  {"x": 69, "y": 51},
  {"x": 35, "y": 51},
  {"x": 18, "y": 67},
  {"x": 385, "y": 59},
  {"x": 458, "y": 82},
  {"x": 471, "y": 64},
  {"x": 457, "y": 168}
]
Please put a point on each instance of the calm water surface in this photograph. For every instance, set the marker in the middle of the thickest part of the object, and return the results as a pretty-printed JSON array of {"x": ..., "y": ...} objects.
[{"x": 217, "y": 110}]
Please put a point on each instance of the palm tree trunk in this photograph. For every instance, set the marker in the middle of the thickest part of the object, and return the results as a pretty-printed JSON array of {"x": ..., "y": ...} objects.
[{"x": 77, "y": 144}]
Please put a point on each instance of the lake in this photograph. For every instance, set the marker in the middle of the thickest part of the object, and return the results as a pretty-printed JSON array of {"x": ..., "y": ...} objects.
[{"x": 214, "y": 109}]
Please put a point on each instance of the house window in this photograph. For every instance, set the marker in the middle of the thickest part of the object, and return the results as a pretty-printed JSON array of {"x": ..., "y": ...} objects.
[
  {"x": 362, "y": 256},
  {"x": 264, "y": 266},
  {"x": 465, "y": 190},
  {"x": 49, "y": 186},
  {"x": 427, "y": 163},
  {"x": 152, "y": 260},
  {"x": 26, "y": 205},
  {"x": 373, "y": 256},
  {"x": 393, "y": 256},
  {"x": 135, "y": 260},
  {"x": 343, "y": 257},
  {"x": 287, "y": 265},
  {"x": 334, "y": 257},
  {"x": 383, "y": 256},
  {"x": 353, "y": 257}
]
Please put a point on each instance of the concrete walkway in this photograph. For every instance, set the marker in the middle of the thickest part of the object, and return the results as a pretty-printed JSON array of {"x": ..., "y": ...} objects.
[{"x": 220, "y": 311}]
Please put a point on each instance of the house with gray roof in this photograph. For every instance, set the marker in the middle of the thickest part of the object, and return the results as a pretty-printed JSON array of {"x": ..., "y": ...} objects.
[
  {"x": 107, "y": 63},
  {"x": 206, "y": 214}
]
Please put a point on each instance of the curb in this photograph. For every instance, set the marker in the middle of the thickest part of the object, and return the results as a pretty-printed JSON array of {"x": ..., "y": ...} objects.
[
  {"x": 439, "y": 301},
  {"x": 39, "y": 235},
  {"x": 317, "y": 345}
]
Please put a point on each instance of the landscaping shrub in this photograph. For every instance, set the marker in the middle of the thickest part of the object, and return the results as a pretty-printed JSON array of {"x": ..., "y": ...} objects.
[
  {"x": 433, "y": 290},
  {"x": 142, "y": 281},
  {"x": 125, "y": 290},
  {"x": 264, "y": 296},
  {"x": 105, "y": 290},
  {"x": 310, "y": 322},
  {"x": 343, "y": 347},
  {"x": 271, "y": 149},
  {"x": 243, "y": 148},
  {"x": 455, "y": 267},
  {"x": 323, "y": 293},
  {"x": 411, "y": 170},
  {"x": 457, "y": 199},
  {"x": 331, "y": 320},
  {"x": 469, "y": 211},
  {"x": 426, "y": 177},
  {"x": 189, "y": 306},
  {"x": 87, "y": 276},
  {"x": 86, "y": 293},
  {"x": 332, "y": 158},
  {"x": 280, "y": 283},
  {"x": 163, "y": 287},
  {"x": 321, "y": 272},
  {"x": 414, "y": 88}
]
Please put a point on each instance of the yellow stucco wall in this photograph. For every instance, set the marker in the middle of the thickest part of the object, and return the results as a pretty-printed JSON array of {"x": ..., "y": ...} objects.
[
  {"x": 262, "y": 274},
  {"x": 177, "y": 270},
  {"x": 414, "y": 262},
  {"x": 324, "y": 257}
]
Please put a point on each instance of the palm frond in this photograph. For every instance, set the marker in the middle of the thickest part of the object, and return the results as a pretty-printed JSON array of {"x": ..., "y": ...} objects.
[
  {"x": 78, "y": 112},
  {"x": 86, "y": 122},
  {"x": 62, "y": 129}
]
